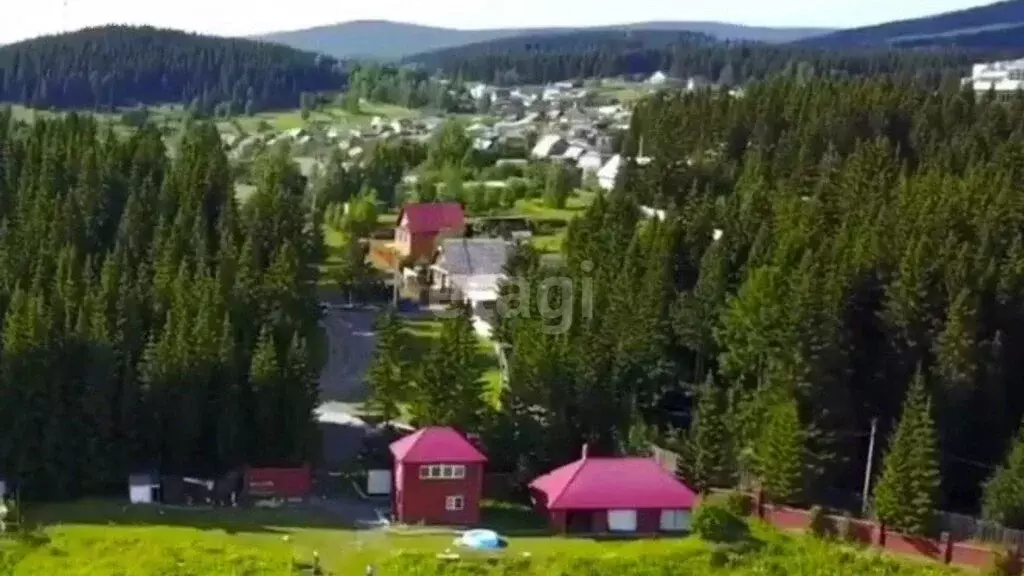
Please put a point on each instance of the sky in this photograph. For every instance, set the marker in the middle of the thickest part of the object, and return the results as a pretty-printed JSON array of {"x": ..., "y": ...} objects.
[{"x": 29, "y": 18}]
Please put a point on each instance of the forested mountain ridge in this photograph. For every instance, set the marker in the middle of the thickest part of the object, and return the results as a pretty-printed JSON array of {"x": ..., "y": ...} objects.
[
  {"x": 547, "y": 58},
  {"x": 994, "y": 26},
  {"x": 386, "y": 40},
  {"x": 124, "y": 65},
  {"x": 149, "y": 322},
  {"x": 834, "y": 252}
]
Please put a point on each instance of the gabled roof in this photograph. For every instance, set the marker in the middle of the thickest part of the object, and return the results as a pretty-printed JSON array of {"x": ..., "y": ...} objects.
[
  {"x": 435, "y": 444},
  {"x": 473, "y": 256},
  {"x": 432, "y": 217},
  {"x": 613, "y": 483}
]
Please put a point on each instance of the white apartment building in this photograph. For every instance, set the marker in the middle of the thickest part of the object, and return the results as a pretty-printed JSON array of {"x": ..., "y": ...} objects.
[{"x": 1003, "y": 77}]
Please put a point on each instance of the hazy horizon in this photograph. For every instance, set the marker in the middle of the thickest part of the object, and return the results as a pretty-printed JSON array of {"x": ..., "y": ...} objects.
[{"x": 240, "y": 18}]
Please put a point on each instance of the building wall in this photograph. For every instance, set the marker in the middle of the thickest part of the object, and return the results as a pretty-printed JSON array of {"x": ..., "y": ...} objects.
[
  {"x": 648, "y": 521},
  {"x": 424, "y": 500}
]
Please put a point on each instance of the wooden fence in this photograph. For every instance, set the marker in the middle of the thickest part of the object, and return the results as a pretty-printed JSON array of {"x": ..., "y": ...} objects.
[{"x": 964, "y": 527}]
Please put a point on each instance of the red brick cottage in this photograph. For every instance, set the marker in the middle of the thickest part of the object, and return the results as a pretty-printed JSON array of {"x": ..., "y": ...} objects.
[
  {"x": 438, "y": 478},
  {"x": 419, "y": 226},
  {"x": 625, "y": 495}
]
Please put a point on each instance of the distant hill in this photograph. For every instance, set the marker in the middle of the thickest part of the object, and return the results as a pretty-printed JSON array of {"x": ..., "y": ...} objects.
[
  {"x": 996, "y": 26},
  {"x": 114, "y": 66},
  {"x": 542, "y": 58},
  {"x": 387, "y": 40}
]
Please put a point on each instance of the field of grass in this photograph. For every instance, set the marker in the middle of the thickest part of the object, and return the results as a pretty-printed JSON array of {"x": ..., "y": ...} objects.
[
  {"x": 550, "y": 223},
  {"x": 95, "y": 538},
  {"x": 331, "y": 115}
]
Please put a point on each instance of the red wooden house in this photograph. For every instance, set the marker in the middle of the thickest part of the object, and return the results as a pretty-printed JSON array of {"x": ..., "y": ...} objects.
[
  {"x": 419, "y": 226},
  {"x": 438, "y": 477},
  {"x": 630, "y": 495}
]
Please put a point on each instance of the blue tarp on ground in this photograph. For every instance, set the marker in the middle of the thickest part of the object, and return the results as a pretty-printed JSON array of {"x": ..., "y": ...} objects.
[{"x": 482, "y": 540}]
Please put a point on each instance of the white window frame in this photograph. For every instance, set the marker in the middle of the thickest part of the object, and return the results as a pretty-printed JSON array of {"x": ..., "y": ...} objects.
[
  {"x": 442, "y": 471},
  {"x": 455, "y": 503}
]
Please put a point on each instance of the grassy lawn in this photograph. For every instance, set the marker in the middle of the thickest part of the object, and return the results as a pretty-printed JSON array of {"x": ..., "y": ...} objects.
[
  {"x": 108, "y": 538},
  {"x": 550, "y": 223},
  {"x": 98, "y": 538}
]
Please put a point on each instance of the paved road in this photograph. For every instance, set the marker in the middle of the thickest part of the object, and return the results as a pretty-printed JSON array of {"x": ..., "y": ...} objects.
[{"x": 351, "y": 343}]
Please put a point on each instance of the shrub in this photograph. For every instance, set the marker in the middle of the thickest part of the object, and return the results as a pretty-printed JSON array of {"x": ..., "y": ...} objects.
[
  {"x": 737, "y": 503},
  {"x": 717, "y": 524},
  {"x": 820, "y": 524},
  {"x": 1006, "y": 563}
]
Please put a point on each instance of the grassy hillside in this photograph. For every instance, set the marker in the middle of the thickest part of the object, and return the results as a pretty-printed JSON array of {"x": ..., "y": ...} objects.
[
  {"x": 393, "y": 40},
  {"x": 993, "y": 26}
]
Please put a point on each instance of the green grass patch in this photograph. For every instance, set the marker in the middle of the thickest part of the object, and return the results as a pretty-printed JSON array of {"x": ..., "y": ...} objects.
[
  {"x": 106, "y": 538},
  {"x": 333, "y": 115}
]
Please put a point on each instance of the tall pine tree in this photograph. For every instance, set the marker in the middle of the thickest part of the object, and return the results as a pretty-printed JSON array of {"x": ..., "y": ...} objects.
[{"x": 905, "y": 495}]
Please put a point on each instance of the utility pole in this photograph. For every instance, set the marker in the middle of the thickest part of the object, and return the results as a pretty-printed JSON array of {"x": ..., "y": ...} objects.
[{"x": 867, "y": 468}]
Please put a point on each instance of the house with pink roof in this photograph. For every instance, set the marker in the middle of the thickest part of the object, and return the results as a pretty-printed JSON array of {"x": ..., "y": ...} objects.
[
  {"x": 626, "y": 495},
  {"x": 438, "y": 478}
]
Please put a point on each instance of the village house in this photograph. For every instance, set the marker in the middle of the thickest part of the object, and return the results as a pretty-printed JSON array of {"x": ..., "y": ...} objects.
[
  {"x": 470, "y": 270},
  {"x": 609, "y": 172},
  {"x": 627, "y": 495},
  {"x": 420, "y": 225},
  {"x": 548, "y": 146},
  {"x": 438, "y": 478}
]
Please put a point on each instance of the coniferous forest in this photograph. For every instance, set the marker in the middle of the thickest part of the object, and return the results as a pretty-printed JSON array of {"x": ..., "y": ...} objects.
[
  {"x": 149, "y": 322},
  {"x": 114, "y": 66},
  {"x": 538, "y": 59},
  {"x": 833, "y": 252}
]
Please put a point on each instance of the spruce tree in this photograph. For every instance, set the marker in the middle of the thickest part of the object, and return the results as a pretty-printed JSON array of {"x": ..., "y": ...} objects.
[
  {"x": 905, "y": 495},
  {"x": 710, "y": 458},
  {"x": 449, "y": 389},
  {"x": 387, "y": 375},
  {"x": 780, "y": 452},
  {"x": 1003, "y": 499}
]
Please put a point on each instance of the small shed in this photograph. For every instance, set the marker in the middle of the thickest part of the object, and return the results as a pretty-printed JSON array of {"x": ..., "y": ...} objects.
[
  {"x": 630, "y": 495},
  {"x": 142, "y": 488},
  {"x": 439, "y": 478},
  {"x": 284, "y": 483}
]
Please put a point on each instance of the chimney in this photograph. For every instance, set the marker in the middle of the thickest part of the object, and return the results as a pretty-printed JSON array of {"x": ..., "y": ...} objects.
[{"x": 583, "y": 451}]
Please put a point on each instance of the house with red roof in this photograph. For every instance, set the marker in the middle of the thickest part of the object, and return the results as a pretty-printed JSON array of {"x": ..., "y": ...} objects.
[
  {"x": 438, "y": 478},
  {"x": 628, "y": 495},
  {"x": 421, "y": 225}
]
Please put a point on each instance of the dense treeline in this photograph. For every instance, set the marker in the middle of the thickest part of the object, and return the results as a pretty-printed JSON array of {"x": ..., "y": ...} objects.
[
  {"x": 148, "y": 321},
  {"x": 123, "y": 66},
  {"x": 403, "y": 86},
  {"x": 826, "y": 245},
  {"x": 560, "y": 57}
]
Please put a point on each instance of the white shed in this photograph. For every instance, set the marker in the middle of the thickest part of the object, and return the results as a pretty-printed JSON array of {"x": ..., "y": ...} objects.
[{"x": 141, "y": 488}]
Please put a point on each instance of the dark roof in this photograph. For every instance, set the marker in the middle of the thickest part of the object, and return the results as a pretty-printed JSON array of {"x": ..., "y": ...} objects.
[
  {"x": 435, "y": 445},
  {"x": 473, "y": 256},
  {"x": 432, "y": 217},
  {"x": 142, "y": 479},
  {"x": 613, "y": 483}
]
